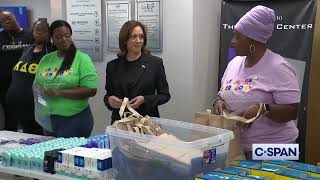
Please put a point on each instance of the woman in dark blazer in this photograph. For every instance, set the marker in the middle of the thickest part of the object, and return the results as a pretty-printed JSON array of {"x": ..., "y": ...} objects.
[{"x": 135, "y": 74}]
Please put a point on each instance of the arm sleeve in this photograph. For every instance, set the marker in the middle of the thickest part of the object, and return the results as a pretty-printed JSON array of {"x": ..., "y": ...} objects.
[
  {"x": 224, "y": 77},
  {"x": 87, "y": 73},
  {"x": 108, "y": 88},
  {"x": 162, "y": 94},
  {"x": 286, "y": 90}
]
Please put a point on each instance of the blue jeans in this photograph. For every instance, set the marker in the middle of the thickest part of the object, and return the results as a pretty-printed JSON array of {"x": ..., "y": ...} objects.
[{"x": 78, "y": 125}]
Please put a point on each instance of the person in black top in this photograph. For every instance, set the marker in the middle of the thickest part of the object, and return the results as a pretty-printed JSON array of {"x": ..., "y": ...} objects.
[
  {"x": 19, "y": 99},
  {"x": 13, "y": 39},
  {"x": 135, "y": 74}
]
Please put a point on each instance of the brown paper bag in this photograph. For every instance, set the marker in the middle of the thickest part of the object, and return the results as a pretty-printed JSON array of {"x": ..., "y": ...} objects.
[
  {"x": 201, "y": 118},
  {"x": 235, "y": 150},
  {"x": 208, "y": 119}
]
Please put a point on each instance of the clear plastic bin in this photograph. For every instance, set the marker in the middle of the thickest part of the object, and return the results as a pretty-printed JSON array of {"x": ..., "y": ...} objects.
[{"x": 191, "y": 150}]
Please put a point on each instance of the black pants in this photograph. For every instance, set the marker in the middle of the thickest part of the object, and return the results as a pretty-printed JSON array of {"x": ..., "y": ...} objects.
[
  {"x": 10, "y": 123},
  {"x": 1, "y": 117},
  {"x": 27, "y": 122}
]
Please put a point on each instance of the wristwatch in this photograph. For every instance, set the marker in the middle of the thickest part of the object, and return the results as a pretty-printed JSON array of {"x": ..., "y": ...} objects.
[{"x": 266, "y": 108}]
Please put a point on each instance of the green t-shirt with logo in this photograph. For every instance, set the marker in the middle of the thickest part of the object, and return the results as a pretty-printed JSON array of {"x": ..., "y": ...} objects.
[{"x": 81, "y": 74}]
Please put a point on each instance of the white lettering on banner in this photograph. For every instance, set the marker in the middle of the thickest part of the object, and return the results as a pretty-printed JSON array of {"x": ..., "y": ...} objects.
[
  {"x": 293, "y": 26},
  {"x": 280, "y": 26},
  {"x": 275, "y": 151},
  {"x": 227, "y": 26}
]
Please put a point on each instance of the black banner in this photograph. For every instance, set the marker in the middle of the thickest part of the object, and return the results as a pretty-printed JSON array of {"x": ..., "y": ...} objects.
[{"x": 292, "y": 38}]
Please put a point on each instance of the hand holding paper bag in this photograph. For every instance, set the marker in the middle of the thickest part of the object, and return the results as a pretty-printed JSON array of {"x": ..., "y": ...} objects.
[
  {"x": 219, "y": 107},
  {"x": 248, "y": 115},
  {"x": 231, "y": 121}
]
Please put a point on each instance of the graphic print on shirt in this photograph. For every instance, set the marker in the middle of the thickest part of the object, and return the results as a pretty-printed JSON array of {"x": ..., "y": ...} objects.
[
  {"x": 50, "y": 78},
  {"x": 26, "y": 67},
  {"x": 239, "y": 93},
  {"x": 50, "y": 72},
  {"x": 239, "y": 87},
  {"x": 14, "y": 46}
]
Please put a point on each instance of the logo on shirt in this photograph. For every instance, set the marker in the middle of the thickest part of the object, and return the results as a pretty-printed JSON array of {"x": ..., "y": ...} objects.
[
  {"x": 49, "y": 72},
  {"x": 239, "y": 85},
  {"x": 13, "y": 46},
  {"x": 26, "y": 67}
]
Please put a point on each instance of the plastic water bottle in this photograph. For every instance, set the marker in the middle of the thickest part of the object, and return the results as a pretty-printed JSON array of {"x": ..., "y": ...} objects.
[
  {"x": 33, "y": 163},
  {"x": 20, "y": 158},
  {"x": 101, "y": 143},
  {"x": 14, "y": 159},
  {"x": 107, "y": 142},
  {"x": 27, "y": 162},
  {"x": 6, "y": 158}
]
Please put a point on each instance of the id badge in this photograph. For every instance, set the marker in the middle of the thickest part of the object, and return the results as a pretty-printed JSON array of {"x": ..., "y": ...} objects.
[{"x": 42, "y": 101}]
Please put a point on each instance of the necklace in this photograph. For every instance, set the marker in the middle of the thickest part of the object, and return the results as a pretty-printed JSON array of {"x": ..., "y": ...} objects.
[{"x": 13, "y": 38}]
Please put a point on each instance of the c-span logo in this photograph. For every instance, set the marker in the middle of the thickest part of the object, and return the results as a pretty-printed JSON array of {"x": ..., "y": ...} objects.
[{"x": 275, "y": 151}]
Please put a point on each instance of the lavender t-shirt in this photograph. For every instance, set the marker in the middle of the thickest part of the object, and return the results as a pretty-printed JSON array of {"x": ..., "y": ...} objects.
[{"x": 272, "y": 80}]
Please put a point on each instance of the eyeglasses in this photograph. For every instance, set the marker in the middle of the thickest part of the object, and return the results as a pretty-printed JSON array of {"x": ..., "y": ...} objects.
[{"x": 135, "y": 36}]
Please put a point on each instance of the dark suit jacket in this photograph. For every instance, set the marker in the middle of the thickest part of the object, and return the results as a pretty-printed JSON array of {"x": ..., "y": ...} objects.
[{"x": 145, "y": 76}]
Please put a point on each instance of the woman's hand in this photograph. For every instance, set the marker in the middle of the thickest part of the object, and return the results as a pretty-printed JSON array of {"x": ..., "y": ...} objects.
[
  {"x": 75, "y": 93},
  {"x": 136, "y": 102},
  {"x": 218, "y": 107},
  {"x": 115, "y": 102},
  {"x": 53, "y": 92},
  {"x": 251, "y": 111}
]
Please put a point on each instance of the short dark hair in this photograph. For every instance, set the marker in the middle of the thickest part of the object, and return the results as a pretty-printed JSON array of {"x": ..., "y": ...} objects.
[
  {"x": 71, "y": 53},
  {"x": 38, "y": 22},
  {"x": 124, "y": 36},
  {"x": 10, "y": 13},
  {"x": 49, "y": 44},
  {"x": 4, "y": 10}
]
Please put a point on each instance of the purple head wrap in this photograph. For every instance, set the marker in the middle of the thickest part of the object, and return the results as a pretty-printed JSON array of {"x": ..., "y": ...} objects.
[{"x": 257, "y": 24}]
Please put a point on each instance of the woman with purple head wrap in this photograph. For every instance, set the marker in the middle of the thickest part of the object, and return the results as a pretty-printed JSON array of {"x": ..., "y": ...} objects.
[
  {"x": 258, "y": 75},
  {"x": 257, "y": 24}
]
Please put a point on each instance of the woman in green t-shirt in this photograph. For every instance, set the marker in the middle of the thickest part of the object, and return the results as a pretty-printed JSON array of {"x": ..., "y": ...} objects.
[{"x": 69, "y": 78}]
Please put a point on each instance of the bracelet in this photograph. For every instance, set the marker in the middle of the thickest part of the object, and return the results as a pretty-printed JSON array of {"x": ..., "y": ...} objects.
[{"x": 215, "y": 100}]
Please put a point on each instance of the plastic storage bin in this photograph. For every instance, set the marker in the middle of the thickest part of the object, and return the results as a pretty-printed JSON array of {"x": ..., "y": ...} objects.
[{"x": 188, "y": 150}]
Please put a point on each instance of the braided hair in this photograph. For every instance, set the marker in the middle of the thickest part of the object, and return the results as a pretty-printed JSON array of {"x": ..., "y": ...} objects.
[{"x": 71, "y": 52}]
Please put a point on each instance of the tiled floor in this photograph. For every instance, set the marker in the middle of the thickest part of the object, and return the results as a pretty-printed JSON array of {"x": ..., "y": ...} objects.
[{"x": 12, "y": 177}]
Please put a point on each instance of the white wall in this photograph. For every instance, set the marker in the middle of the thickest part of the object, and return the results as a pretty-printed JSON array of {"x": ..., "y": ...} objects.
[
  {"x": 190, "y": 55},
  {"x": 178, "y": 56},
  {"x": 206, "y": 18}
]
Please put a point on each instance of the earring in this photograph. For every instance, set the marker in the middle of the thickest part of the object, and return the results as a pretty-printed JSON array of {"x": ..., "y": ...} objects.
[{"x": 252, "y": 49}]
